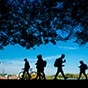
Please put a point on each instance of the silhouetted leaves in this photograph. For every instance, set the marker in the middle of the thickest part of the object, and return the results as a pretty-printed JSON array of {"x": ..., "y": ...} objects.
[{"x": 31, "y": 23}]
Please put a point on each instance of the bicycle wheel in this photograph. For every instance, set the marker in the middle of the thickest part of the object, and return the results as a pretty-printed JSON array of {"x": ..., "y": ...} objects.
[
  {"x": 20, "y": 75},
  {"x": 33, "y": 75},
  {"x": 25, "y": 76}
]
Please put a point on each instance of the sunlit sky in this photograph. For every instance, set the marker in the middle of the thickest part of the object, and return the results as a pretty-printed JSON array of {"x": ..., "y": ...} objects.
[{"x": 11, "y": 57}]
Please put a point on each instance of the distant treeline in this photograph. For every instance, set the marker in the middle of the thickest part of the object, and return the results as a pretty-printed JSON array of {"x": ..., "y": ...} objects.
[{"x": 69, "y": 75}]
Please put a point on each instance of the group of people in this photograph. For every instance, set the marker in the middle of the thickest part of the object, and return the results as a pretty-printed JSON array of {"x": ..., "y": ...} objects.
[{"x": 41, "y": 64}]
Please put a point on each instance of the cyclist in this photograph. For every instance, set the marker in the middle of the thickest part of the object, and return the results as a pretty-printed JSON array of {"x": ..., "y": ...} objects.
[{"x": 26, "y": 68}]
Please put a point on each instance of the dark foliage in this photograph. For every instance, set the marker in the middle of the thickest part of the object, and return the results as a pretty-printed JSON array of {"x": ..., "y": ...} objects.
[{"x": 31, "y": 23}]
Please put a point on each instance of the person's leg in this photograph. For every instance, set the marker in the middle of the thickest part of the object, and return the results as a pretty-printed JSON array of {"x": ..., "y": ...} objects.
[
  {"x": 28, "y": 74},
  {"x": 56, "y": 74},
  {"x": 62, "y": 72},
  {"x": 80, "y": 75},
  {"x": 23, "y": 74},
  {"x": 85, "y": 74},
  {"x": 44, "y": 77},
  {"x": 38, "y": 74},
  {"x": 43, "y": 74}
]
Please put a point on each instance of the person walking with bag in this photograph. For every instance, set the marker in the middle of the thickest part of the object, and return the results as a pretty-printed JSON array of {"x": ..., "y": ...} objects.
[
  {"x": 59, "y": 64},
  {"x": 26, "y": 68},
  {"x": 83, "y": 67}
]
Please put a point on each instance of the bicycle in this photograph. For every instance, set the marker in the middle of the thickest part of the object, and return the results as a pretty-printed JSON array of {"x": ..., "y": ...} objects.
[{"x": 33, "y": 74}]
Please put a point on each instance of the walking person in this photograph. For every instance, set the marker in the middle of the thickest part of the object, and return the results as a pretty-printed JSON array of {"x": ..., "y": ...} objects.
[
  {"x": 40, "y": 64},
  {"x": 59, "y": 64},
  {"x": 26, "y": 68},
  {"x": 83, "y": 67}
]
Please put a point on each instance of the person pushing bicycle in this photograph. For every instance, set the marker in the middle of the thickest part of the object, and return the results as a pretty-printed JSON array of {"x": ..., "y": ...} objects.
[{"x": 26, "y": 68}]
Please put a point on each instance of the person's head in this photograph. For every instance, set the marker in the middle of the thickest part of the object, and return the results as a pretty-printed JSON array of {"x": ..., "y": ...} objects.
[
  {"x": 39, "y": 56},
  {"x": 81, "y": 62},
  {"x": 63, "y": 55},
  {"x": 25, "y": 59}
]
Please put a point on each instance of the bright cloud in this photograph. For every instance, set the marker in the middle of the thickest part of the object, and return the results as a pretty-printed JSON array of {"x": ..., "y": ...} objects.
[{"x": 69, "y": 48}]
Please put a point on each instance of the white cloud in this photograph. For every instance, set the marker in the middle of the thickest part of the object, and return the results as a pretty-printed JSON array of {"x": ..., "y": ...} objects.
[
  {"x": 69, "y": 48},
  {"x": 51, "y": 57}
]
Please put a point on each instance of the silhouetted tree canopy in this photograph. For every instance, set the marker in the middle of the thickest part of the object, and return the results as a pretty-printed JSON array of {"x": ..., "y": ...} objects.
[{"x": 34, "y": 22}]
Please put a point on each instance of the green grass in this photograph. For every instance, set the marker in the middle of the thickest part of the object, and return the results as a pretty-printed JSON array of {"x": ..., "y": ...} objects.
[{"x": 70, "y": 76}]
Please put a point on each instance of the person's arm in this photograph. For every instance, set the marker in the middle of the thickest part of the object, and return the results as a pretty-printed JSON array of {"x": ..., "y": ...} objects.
[
  {"x": 79, "y": 66},
  {"x": 64, "y": 61}
]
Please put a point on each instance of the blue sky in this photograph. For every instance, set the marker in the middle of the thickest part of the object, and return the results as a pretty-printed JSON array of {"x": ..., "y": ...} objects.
[{"x": 11, "y": 57}]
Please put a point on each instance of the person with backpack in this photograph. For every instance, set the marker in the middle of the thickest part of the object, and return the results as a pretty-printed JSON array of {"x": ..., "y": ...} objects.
[
  {"x": 40, "y": 65},
  {"x": 83, "y": 67},
  {"x": 59, "y": 64}
]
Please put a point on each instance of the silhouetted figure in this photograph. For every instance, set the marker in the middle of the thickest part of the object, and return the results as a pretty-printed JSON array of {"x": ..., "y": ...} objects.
[
  {"x": 40, "y": 64},
  {"x": 83, "y": 67},
  {"x": 26, "y": 68},
  {"x": 59, "y": 64}
]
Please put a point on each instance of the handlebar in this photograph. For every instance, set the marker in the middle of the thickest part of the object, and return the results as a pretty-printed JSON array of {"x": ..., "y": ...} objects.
[{"x": 29, "y": 69}]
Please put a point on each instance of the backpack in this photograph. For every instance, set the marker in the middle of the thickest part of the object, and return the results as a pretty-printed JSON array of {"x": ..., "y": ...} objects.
[
  {"x": 56, "y": 63},
  {"x": 44, "y": 63},
  {"x": 85, "y": 66}
]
